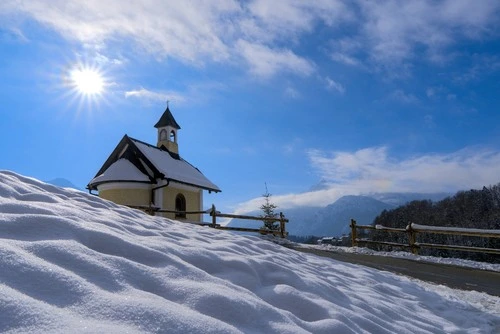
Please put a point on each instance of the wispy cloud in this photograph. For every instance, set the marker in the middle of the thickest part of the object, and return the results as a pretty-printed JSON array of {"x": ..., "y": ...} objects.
[
  {"x": 345, "y": 59},
  {"x": 177, "y": 29},
  {"x": 391, "y": 33},
  {"x": 14, "y": 34},
  {"x": 265, "y": 61},
  {"x": 192, "y": 33},
  {"x": 332, "y": 85},
  {"x": 372, "y": 170},
  {"x": 385, "y": 32},
  {"x": 292, "y": 146},
  {"x": 292, "y": 93},
  {"x": 288, "y": 19},
  {"x": 403, "y": 97},
  {"x": 150, "y": 95}
]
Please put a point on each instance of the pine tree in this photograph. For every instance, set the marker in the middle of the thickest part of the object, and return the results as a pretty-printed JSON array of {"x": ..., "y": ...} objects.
[{"x": 268, "y": 209}]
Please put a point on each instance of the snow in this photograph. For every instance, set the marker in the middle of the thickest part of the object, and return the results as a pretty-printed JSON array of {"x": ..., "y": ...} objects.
[
  {"x": 72, "y": 262},
  {"x": 121, "y": 170},
  {"x": 178, "y": 170},
  {"x": 436, "y": 229}
]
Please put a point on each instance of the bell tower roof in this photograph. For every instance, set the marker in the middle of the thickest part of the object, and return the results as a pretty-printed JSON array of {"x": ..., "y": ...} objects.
[{"x": 167, "y": 119}]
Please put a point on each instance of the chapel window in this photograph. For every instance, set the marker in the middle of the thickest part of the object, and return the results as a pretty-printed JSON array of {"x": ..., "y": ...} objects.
[{"x": 180, "y": 205}]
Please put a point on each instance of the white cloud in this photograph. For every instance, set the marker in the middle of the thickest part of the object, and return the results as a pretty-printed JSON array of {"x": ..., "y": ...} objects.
[
  {"x": 288, "y": 19},
  {"x": 292, "y": 146},
  {"x": 345, "y": 59},
  {"x": 192, "y": 32},
  {"x": 391, "y": 33},
  {"x": 184, "y": 30},
  {"x": 265, "y": 62},
  {"x": 196, "y": 32},
  {"x": 334, "y": 86},
  {"x": 400, "y": 96},
  {"x": 145, "y": 94},
  {"x": 395, "y": 29},
  {"x": 372, "y": 170}
]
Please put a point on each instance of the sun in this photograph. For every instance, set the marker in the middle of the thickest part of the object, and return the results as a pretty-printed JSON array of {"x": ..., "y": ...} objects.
[{"x": 87, "y": 81}]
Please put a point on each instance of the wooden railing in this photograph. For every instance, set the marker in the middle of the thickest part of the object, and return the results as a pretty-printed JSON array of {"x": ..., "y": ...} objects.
[
  {"x": 280, "y": 231},
  {"x": 412, "y": 230}
]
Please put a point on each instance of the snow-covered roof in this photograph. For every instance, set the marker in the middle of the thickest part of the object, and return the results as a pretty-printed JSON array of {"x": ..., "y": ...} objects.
[
  {"x": 174, "y": 169},
  {"x": 134, "y": 160},
  {"x": 121, "y": 170}
]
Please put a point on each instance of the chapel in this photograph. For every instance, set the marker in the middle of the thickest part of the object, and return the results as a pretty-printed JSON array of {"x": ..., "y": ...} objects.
[{"x": 140, "y": 174}]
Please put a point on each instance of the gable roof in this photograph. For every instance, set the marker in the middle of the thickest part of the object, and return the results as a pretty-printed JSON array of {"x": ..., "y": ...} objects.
[
  {"x": 152, "y": 162},
  {"x": 121, "y": 170},
  {"x": 167, "y": 119}
]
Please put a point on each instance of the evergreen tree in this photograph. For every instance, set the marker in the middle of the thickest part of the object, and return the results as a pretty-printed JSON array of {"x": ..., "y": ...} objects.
[
  {"x": 268, "y": 209},
  {"x": 477, "y": 209}
]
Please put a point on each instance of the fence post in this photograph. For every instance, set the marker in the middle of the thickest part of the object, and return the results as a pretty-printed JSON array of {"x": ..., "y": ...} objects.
[
  {"x": 354, "y": 233},
  {"x": 412, "y": 238},
  {"x": 214, "y": 216},
  {"x": 282, "y": 225}
]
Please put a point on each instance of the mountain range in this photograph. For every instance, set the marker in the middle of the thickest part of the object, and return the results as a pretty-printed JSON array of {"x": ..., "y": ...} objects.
[{"x": 334, "y": 219}]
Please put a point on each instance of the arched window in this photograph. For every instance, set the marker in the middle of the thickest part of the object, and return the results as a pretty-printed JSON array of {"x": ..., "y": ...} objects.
[
  {"x": 172, "y": 136},
  {"x": 180, "y": 205},
  {"x": 163, "y": 134}
]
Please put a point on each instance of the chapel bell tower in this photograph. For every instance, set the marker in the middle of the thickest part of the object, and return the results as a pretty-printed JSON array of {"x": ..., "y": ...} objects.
[{"x": 167, "y": 131}]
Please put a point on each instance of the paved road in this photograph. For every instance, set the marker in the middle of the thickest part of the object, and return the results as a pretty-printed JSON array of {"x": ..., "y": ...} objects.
[{"x": 448, "y": 275}]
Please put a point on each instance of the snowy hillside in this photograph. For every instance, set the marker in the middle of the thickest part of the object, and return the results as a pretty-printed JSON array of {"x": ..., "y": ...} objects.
[{"x": 73, "y": 263}]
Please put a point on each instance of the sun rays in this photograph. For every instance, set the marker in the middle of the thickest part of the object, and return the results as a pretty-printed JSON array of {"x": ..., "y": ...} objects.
[
  {"x": 86, "y": 87},
  {"x": 87, "y": 81}
]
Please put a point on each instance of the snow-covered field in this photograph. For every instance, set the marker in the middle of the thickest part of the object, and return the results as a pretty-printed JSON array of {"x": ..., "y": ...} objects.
[{"x": 73, "y": 263}]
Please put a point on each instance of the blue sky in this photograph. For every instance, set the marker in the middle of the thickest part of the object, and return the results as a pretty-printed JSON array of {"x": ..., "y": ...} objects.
[{"x": 360, "y": 96}]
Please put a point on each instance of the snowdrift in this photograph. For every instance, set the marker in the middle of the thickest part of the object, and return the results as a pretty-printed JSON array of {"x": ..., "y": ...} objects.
[{"x": 71, "y": 262}]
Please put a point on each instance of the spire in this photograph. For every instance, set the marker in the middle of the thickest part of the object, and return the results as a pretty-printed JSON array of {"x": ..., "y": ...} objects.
[
  {"x": 167, "y": 119},
  {"x": 167, "y": 131}
]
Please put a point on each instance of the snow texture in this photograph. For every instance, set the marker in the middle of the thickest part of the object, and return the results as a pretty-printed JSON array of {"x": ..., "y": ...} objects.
[
  {"x": 74, "y": 263},
  {"x": 454, "y": 229}
]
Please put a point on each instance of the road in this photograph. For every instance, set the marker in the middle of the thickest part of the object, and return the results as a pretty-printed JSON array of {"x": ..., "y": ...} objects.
[{"x": 449, "y": 275}]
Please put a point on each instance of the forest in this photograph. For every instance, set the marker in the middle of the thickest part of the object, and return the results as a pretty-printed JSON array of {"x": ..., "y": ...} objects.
[{"x": 478, "y": 209}]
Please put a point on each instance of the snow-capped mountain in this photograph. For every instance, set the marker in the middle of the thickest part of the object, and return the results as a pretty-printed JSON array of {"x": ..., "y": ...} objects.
[
  {"x": 62, "y": 182},
  {"x": 334, "y": 219},
  {"x": 398, "y": 199}
]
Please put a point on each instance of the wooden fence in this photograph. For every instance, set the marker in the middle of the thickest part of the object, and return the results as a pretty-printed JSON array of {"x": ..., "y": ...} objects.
[
  {"x": 412, "y": 230},
  {"x": 280, "y": 231}
]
